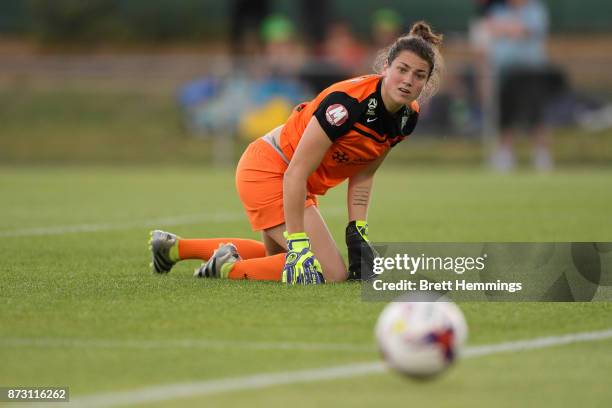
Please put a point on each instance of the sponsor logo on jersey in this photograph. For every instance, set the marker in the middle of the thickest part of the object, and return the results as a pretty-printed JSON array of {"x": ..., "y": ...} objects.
[{"x": 336, "y": 114}]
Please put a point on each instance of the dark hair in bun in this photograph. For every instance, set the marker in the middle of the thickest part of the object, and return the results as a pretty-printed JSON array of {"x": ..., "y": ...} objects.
[{"x": 423, "y": 42}]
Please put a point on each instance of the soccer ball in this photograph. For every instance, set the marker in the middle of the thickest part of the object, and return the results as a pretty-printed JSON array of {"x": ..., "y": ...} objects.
[{"x": 421, "y": 339}]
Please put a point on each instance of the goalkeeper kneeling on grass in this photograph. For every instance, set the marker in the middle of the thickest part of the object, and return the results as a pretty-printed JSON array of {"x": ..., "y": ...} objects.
[{"x": 344, "y": 133}]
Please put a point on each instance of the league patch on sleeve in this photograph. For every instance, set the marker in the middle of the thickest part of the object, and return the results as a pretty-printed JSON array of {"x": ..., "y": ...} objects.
[{"x": 336, "y": 114}]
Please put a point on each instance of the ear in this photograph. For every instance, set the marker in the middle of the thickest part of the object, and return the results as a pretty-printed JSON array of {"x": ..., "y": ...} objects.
[{"x": 385, "y": 68}]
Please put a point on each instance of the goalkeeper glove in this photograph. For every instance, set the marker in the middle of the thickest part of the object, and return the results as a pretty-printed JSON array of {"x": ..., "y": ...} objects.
[
  {"x": 301, "y": 266},
  {"x": 360, "y": 253}
]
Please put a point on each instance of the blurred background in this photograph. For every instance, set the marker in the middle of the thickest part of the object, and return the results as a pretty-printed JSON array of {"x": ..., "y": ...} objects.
[{"x": 527, "y": 83}]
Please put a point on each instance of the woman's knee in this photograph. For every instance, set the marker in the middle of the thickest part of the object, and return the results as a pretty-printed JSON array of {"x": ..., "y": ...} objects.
[
  {"x": 335, "y": 272},
  {"x": 273, "y": 240}
]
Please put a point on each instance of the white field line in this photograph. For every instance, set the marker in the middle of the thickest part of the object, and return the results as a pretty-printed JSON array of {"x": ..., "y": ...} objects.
[
  {"x": 537, "y": 343},
  {"x": 258, "y": 381},
  {"x": 204, "y": 218},
  {"x": 108, "y": 226}
]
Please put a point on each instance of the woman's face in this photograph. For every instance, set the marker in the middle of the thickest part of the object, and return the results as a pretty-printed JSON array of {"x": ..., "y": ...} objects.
[{"x": 404, "y": 79}]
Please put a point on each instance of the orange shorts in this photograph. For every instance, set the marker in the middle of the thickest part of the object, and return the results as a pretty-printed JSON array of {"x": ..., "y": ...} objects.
[{"x": 259, "y": 181}]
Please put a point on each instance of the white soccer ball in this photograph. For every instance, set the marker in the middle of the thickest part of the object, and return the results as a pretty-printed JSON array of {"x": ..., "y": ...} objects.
[{"x": 421, "y": 339}]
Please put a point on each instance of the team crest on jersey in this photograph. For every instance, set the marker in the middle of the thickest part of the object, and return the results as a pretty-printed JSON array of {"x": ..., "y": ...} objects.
[
  {"x": 404, "y": 120},
  {"x": 372, "y": 104},
  {"x": 336, "y": 114}
]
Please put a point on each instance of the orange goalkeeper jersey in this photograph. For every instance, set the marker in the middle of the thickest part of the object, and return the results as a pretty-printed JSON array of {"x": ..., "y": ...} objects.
[{"x": 353, "y": 116}]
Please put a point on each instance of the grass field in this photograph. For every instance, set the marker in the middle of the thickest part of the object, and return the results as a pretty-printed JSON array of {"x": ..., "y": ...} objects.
[{"x": 79, "y": 306}]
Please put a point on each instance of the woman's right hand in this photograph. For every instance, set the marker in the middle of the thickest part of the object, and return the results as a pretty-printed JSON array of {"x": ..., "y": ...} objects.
[{"x": 301, "y": 266}]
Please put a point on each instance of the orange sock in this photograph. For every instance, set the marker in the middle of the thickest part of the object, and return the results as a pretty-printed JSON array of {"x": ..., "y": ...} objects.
[
  {"x": 266, "y": 268},
  {"x": 204, "y": 248}
]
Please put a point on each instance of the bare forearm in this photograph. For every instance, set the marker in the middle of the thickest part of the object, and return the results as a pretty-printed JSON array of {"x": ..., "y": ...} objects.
[
  {"x": 358, "y": 198},
  {"x": 308, "y": 155},
  {"x": 294, "y": 195}
]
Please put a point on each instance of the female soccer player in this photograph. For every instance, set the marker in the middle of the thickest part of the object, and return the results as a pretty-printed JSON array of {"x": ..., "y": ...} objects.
[{"x": 344, "y": 133}]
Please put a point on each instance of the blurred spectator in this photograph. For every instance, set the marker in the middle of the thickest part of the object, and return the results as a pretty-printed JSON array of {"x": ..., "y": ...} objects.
[
  {"x": 254, "y": 98},
  {"x": 315, "y": 17},
  {"x": 275, "y": 89},
  {"x": 513, "y": 37},
  {"x": 342, "y": 49},
  {"x": 283, "y": 54},
  {"x": 483, "y": 7},
  {"x": 245, "y": 20},
  {"x": 386, "y": 27},
  {"x": 341, "y": 55}
]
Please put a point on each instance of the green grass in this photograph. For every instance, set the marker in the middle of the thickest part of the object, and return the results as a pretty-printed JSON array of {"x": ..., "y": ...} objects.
[
  {"x": 84, "y": 125},
  {"x": 90, "y": 287}
]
